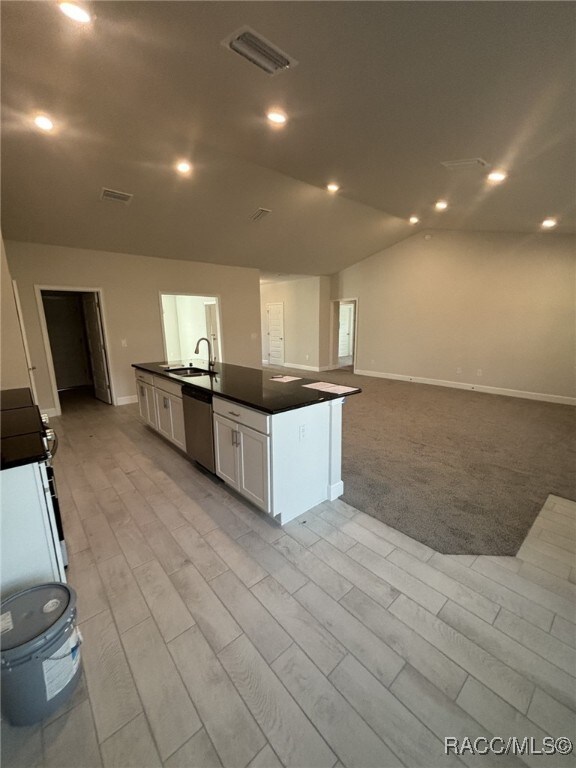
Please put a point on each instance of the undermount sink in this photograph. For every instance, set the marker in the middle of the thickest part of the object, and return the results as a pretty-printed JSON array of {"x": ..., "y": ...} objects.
[{"x": 189, "y": 371}]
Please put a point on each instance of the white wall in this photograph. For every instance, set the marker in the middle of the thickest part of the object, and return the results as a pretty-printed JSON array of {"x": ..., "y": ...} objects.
[
  {"x": 13, "y": 367},
  {"x": 504, "y": 304},
  {"x": 131, "y": 302}
]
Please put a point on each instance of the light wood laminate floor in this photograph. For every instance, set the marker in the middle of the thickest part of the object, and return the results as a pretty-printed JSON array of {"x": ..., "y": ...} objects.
[{"x": 213, "y": 637}]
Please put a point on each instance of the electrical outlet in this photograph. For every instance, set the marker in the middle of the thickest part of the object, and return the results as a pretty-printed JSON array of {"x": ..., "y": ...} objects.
[
  {"x": 458, "y": 370},
  {"x": 301, "y": 432},
  {"x": 307, "y": 357},
  {"x": 123, "y": 342},
  {"x": 479, "y": 372}
]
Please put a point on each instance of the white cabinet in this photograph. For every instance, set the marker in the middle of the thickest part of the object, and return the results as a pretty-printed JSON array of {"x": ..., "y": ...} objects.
[
  {"x": 146, "y": 403},
  {"x": 164, "y": 413},
  {"x": 177, "y": 412},
  {"x": 160, "y": 403},
  {"x": 243, "y": 459},
  {"x": 284, "y": 463}
]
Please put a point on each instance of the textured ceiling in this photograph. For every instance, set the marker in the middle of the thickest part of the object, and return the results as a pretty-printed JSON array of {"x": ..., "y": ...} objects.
[{"x": 382, "y": 94}]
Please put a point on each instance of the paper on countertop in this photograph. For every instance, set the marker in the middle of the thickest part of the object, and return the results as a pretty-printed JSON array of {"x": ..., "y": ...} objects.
[
  {"x": 285, "y": 379},
  {"x": 333, "y": 389}
]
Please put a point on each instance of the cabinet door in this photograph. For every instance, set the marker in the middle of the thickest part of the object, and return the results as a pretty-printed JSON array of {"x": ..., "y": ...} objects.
[
  {"x": 177, "y": 412},
  {"x": 163, "y": 412},
  {"x": 142, "y": 400},
  {"x": 226, "y": 454},
  {"x": 254, "y": 474},
  {"x": 151, "y": 404}
]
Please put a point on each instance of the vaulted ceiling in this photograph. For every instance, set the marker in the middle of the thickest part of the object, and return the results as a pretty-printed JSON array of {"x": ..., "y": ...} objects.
[{"x": 381, "y": 95}]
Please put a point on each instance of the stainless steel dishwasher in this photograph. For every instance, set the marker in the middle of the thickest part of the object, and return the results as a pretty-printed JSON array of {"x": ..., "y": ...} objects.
[{"x": 198, "y": 426}]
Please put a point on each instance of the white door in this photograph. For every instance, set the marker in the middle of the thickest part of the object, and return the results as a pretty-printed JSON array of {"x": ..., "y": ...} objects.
[
  {"x": 97, "y": 347},
  {"x": 212, "y": 329},
  {"x": 254, "y": 474},
  {"x": 346, "y": 330},
  {"x": 164, "y": 425},
  {"x": 275, "y": 315},
  {"x": 225, "y": 441}
]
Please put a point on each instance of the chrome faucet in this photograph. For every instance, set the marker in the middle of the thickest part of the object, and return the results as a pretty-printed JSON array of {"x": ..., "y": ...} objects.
[{"x": 211, "y": 360}]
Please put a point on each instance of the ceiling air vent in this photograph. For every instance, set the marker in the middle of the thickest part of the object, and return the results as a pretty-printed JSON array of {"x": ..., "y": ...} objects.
[
  {"x": 115, "y": 196},
  {"x": 260, "y": 213},
  {"x": 474, "y": 163},
  {"x": 259, "y": 51}
]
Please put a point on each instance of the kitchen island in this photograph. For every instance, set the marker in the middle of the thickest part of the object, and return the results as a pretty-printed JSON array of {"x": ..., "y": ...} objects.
[{"x": 277, "y": 439}]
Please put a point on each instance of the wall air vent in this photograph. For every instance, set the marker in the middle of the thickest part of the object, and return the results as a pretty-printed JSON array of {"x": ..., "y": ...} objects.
[
  {"x": 474, "y": 163},
  {"x": 260, "y": 213},
  {"x": 259, "y": 51},
  {"x": 115, "y": 196}
]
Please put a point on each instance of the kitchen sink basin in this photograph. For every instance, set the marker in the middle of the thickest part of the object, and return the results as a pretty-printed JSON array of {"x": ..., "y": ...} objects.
[{"x": 189, "y": 372}]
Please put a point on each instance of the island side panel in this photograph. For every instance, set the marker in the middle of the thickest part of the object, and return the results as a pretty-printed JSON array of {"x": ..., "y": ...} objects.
[
  {"x": 300, "y": 460},
  {"x": 335, "y": 484}
]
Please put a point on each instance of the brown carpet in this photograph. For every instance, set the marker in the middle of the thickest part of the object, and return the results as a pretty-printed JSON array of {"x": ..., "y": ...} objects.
[{"x": 464, "y": 472}]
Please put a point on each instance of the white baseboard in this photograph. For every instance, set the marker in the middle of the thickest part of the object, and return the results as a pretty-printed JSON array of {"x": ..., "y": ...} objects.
[
  {"x": 51, "y": 412},
  {"x": 564, "y": 399},
  {"x": 128, "y": 400},
  {"x": 336, "y": 490},
  {"x": 302, "y": 367}
]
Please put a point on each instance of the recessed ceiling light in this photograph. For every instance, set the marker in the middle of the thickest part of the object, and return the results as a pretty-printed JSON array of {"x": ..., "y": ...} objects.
[
  {"x": 549, "y": 223},
  {"x": 183, "y": 167},
  {"x": 414, "y": 219},
  {"x": 44, "y": 123},
  {"x": 276, "y": 116},
  {"x": 441, "y": 205},
  {"x": 497, "y": 177},
  {"x": 75, "y": 12},
  {"x": 332, "y": 187}
]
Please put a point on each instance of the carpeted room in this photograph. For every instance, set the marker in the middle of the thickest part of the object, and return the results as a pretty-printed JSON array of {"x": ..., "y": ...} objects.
[
  {"x": 464, "y": 471},
  {"x": 466, "y": 466}
]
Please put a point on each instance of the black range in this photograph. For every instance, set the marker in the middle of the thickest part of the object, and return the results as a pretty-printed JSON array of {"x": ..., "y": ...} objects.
[
  {"x": 252, "y": 387},
  {"x": 21, "y": 430}
]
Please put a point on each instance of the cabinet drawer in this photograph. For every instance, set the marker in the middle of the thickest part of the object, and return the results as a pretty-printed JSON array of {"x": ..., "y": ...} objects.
[
  {"x": 148, "y": 378},
  {"x": 172, "y": 387},
  {"x": 248, "y": 416}
]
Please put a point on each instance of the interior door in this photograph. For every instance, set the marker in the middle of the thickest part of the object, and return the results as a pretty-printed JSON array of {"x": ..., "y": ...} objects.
[
  {"x": 97, "y": 347},
  {"x": 212, "y": 328},
  {"x": 275, "y": 315},
  {"x": 346, "y": 330}
]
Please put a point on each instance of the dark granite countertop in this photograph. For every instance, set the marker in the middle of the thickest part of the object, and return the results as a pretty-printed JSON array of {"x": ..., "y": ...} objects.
[
  {"x": 252, "y": 387},
  {"x": 21, "y": 430},
  {"x": 15, "y": 398}
]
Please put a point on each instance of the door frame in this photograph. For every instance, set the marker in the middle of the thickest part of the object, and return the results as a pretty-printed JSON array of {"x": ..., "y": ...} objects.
[
  {"x": 198, "y": 296},
  {"x": 57, "y": 410},
  {"x": 31, "y": 368},
  {"x": 334, "y": 331}
]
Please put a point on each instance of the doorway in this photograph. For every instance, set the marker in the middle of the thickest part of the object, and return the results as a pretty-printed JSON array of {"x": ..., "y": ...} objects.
[
  {"x": 187, "y": 318},
  {"x": 344, "y": 350},
  {"x": 75, "y": 344}
]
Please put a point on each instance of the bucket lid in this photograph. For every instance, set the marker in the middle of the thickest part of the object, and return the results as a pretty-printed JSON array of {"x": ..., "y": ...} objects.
[{"x": 33, "y": 612}]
